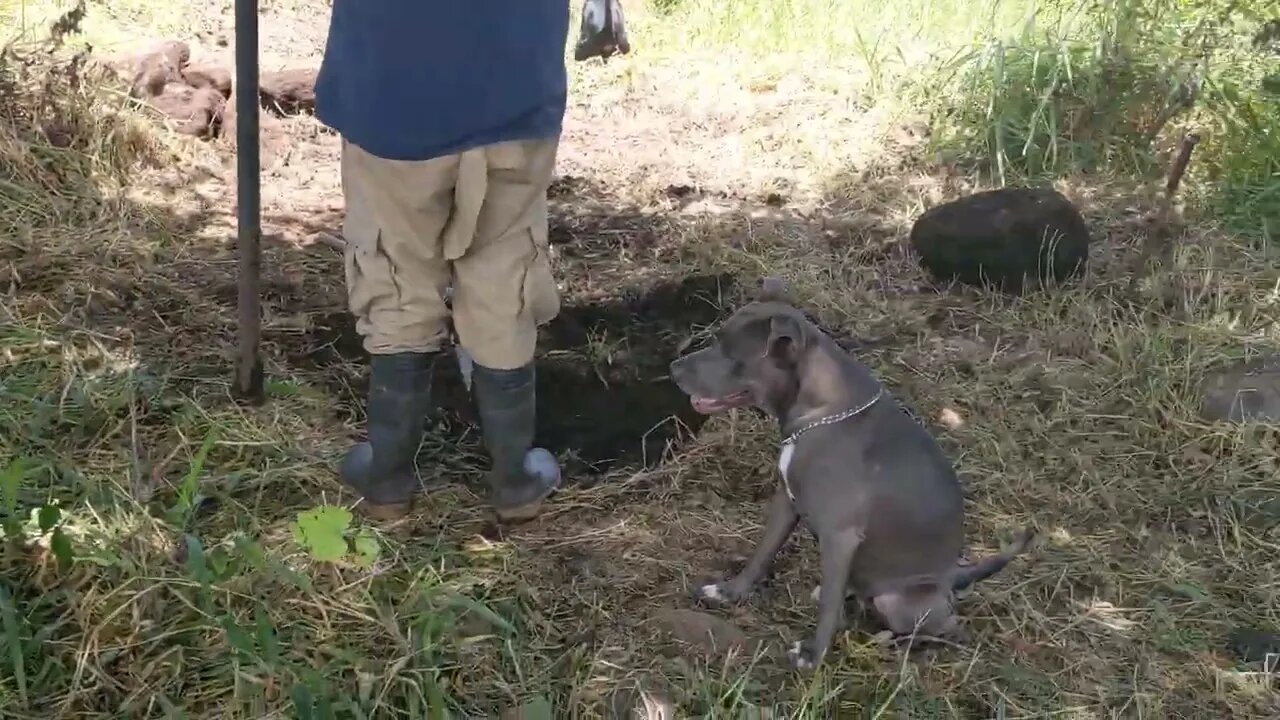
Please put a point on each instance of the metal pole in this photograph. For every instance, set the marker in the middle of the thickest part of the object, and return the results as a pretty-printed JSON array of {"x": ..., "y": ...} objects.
[{"x": 249, "y": 373}]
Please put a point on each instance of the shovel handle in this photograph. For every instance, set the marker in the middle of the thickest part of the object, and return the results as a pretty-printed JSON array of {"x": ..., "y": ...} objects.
[{"x": 249, "y": 372}]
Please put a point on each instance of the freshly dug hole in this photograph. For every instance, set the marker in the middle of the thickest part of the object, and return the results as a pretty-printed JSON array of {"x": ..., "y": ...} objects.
[{"x": 603, "y": 392}]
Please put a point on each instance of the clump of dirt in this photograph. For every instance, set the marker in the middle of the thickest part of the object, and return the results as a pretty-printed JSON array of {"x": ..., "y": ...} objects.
[{"x": 604, "y": 396}]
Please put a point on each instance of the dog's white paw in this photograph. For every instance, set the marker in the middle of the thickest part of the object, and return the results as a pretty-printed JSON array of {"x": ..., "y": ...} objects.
[
  {"x": 884, "y": 638},
  {"x": 801, "y": 656},
  {"x": 712, "y": 592}
]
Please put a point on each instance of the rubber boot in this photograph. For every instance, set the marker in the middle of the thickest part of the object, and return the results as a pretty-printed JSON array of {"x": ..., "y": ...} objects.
[
  {"x": 521, "y": 476},
  {"x": 381, "y": 470}
]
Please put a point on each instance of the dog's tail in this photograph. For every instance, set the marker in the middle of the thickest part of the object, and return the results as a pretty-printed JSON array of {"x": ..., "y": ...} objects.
[{"x": 988, "y": 566}]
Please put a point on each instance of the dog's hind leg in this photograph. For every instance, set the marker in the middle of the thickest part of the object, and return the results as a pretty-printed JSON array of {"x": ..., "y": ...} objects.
[
  {"x": 779, "y": 524},
  {"x": 925, "y": 613}
]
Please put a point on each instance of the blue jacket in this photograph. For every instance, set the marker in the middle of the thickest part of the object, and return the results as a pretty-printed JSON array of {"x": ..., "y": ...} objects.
[{"x": 417, "y": 79}]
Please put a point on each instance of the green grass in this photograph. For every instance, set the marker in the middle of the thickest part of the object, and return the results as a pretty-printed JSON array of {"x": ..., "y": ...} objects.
[
  {"x": 171, "y": 554},
  {"x": 1107, "y": 96},
  {"x": 1033, "y": 90}
]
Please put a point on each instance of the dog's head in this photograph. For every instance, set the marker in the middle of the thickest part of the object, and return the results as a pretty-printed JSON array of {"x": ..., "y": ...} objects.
[{"x": 751, "y": 359}]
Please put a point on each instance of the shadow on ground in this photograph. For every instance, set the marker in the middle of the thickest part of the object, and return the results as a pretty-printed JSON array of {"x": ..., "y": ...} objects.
[{"x": 603, "y": 392}]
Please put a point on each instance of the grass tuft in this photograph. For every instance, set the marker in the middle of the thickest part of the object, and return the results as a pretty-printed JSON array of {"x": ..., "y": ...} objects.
[{"x": 1109, "y": 87}]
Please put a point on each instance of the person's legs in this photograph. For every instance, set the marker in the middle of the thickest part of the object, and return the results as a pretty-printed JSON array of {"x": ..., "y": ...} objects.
[
  {"x": 503, "y": 290},
  {"x": 396, "y": 277}
]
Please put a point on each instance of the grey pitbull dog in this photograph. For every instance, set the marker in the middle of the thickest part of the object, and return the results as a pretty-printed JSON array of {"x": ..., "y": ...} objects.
[{"x": 871, "y": 484}]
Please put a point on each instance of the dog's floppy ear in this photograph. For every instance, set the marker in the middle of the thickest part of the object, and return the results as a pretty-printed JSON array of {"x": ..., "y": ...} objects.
[
  {"x": 786, "y": 336},
  {"x": 772, "y": 289}
]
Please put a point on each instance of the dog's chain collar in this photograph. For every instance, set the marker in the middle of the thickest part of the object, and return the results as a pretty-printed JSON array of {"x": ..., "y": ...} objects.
[
  {"x": 828, "y": 420},
  {"x": 832, "y": 419}
]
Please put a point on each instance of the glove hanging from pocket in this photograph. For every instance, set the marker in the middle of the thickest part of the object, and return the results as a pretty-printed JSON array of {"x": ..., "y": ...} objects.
[{"x": 603, "y": 31}]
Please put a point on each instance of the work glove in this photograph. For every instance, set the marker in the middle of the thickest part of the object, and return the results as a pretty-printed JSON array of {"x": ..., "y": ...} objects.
[{"x": 603, "y": 32}]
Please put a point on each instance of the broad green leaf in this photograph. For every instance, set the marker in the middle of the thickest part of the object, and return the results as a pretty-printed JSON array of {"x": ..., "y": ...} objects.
[
  {"x": 48, "y": 516},
  {"x": 322, "y": 532},
  {"x": 60, "y": 544},
  {"x": 367, "y": 548}
]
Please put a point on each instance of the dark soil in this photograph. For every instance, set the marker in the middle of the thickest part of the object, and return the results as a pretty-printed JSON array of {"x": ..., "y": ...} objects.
[{"x": 604, "y": 398}]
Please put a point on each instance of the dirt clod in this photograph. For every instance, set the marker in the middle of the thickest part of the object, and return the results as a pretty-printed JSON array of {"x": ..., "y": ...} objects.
[
  {"x": 154, "y": 70},
  {"x": 209, "y": 76},
  {"x": 1244, "y": 393},
  {"x": 1007, "y": 238},
  {"x": 289, "y": 92},
  {"x": 194, "y": 111},
  {"x": 710, "y": 634}
]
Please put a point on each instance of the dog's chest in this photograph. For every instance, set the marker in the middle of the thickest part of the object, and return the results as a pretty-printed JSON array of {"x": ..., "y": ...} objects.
[
  {"x": 784, "y": 464},
  {"x": 784, "y": 459}
]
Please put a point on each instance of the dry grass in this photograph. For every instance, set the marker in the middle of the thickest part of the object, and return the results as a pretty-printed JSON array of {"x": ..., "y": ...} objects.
[{"x": 188, "y": 596}]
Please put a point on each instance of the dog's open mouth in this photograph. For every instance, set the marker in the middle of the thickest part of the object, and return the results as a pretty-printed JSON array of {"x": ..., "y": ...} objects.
[{"x": 710, "y": 406}]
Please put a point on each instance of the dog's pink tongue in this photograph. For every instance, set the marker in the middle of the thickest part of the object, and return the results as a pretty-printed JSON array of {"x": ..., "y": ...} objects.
[{"x": 706, "y": 406}]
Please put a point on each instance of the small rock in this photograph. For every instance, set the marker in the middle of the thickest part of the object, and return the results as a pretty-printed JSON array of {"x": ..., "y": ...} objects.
[
  {"x": 951, "y": 419},
  {"x": 711, "y": 634},
  {"x": 1247, "y": 392},
  {"x": 1007, "y": 238}
]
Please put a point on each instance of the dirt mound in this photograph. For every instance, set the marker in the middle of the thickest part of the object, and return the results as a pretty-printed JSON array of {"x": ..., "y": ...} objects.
[{"x": 198, "y": 99}]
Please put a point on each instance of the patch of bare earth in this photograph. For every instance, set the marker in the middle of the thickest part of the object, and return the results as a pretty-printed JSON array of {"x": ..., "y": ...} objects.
[{"x": 679, "y": 186}]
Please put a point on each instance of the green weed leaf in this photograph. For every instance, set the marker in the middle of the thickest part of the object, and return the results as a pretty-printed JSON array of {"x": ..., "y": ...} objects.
[
  {"x": 367, "y": 548},
  {"x": 482, "y": 610},
  {"x": 13, "y": 638},
  {"x": 303, "y": 702},
  {"x": 60, "y": 544},
  {"x": 189, "y": 489},
  {"x": 238, "y": 639},
  {"x": 321, "y": 531},
  {"x": 10, "y": 487},
  {"x": 48, "y": 517},
  {"x": 197, "y": 563},
  {"x": 267, "y": 641}
]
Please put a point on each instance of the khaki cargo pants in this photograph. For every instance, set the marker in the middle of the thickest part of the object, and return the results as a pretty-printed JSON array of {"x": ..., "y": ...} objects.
[{"x": 476, "y": 221}]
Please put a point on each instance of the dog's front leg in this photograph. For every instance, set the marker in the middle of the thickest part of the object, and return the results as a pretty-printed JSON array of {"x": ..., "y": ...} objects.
[
  {"x": 780, "y": 522},
  {"x": 837, "y": 550}
]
